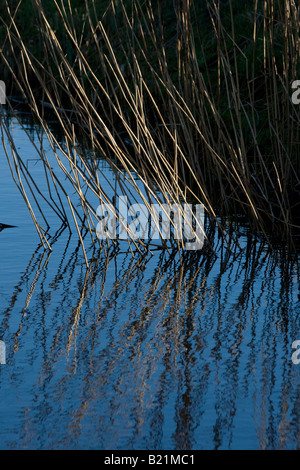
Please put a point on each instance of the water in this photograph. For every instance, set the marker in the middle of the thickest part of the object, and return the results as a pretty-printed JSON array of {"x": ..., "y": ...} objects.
[{"x": 145, "y": 352}]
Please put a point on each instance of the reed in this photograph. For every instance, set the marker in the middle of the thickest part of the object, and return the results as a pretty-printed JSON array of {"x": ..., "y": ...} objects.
[{"x": 194, "y": 98}]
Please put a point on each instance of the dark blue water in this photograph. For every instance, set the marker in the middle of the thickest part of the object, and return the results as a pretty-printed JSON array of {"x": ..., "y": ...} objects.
[{"x": 146, "y": 352}]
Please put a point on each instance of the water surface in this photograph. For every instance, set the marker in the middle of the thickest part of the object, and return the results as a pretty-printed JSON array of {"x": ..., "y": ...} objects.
[{"x": 154, "y": 351}]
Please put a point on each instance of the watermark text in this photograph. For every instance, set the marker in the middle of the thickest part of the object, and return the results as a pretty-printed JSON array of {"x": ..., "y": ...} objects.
[
  {"x": 155, "y": 222},
  {"x": 2, "y": 353},
  {"x": 2, "y": 92}
]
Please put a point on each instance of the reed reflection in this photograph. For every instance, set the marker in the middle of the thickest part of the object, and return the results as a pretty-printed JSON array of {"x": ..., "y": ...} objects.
[{"x": 154, "y": 351}]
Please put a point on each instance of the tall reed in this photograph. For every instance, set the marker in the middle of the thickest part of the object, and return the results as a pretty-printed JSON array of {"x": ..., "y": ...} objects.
[{"x": 194, "y": 97}]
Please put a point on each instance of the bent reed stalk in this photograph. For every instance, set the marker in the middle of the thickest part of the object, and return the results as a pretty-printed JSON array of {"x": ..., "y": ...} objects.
[{"x": 195, "y": 99}]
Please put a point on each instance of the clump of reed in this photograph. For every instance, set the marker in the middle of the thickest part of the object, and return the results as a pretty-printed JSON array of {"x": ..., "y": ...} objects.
[{"x": 194, "y": 98}]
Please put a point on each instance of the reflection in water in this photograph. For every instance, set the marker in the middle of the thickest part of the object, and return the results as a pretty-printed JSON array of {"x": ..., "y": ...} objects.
[{"x": 152, "y": 351}]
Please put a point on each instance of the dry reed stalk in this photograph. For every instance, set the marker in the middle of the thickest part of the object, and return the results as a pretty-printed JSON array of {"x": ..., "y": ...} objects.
[{"x": 183, "y": 146}]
